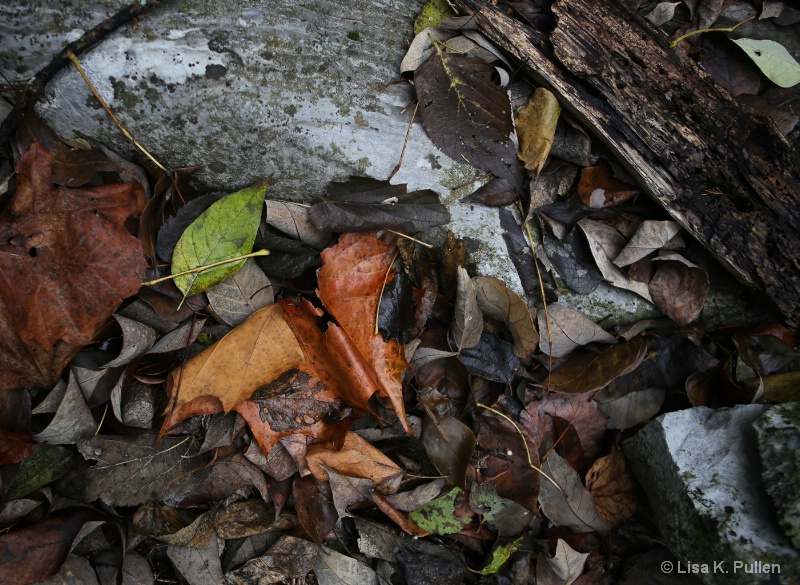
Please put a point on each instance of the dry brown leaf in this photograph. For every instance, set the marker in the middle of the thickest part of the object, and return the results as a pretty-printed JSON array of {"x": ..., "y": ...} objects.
[
  {"x": 613, "y": 488},
  {"x": 679, "y": 288},
  {"x": 536, "y": 126},
  {"x": 499, "y": 302},
  {"x": 588, "y": 372},
  {"x": 651, "y": 236},
  {"x": 564, "y": 329}
]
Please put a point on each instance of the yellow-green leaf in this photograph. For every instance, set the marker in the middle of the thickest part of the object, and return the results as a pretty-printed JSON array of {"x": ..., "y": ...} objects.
[
  {"x": 225, "y": 230},
  {"x": 437, "y": 515},
  {"x": 499, "y": 556},
  {"x": 432, "y": 14},
  {"x": 773, "y": 59},
  {"x": 536, "y": 127}
]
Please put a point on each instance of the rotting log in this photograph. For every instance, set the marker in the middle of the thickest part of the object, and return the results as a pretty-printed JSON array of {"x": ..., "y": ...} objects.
[{"x": 723, "y": 172}]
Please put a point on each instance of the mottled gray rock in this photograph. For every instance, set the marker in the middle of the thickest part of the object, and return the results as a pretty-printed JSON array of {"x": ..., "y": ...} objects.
[
  {"x": 701, "y": 471},
  {"x": 778, "y": 432}
]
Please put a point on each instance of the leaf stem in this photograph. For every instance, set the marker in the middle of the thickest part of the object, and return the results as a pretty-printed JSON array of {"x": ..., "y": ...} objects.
[
  {"x": 207, "y": 266},
  {"x": 729, "y": 29},
  {"x": 71, "y": 56}
]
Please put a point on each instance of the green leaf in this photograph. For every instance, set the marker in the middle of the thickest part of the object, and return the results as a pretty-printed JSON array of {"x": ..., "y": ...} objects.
[
  {"x": 44, "y": 465},
  {"x": 437, "y": 515},
  {"x": 225, "y": 230},
  {"x": 432, "y": 14},
  {"x": 773, "y": 59},
  {"x": 499, "y": 556}
]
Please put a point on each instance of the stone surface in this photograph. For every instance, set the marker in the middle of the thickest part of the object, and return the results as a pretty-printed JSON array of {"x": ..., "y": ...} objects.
[
  {"x": 778, "y": 432},
  {"x": 251, "y": 88},
  {"x": 701, "y": 472}
]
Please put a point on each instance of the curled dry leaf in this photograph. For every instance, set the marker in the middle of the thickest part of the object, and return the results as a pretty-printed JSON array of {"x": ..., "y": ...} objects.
[
  {"x": 563, "y": 568},
  {"x": 73, "y": 419},
  {"x": 292, "y": 219},
  {"x": 565, "y": 501},
  {"x": 467, "y": 320},
  {"x": 536, "y": 126},
  {"x": 564, "y": 329},
  {"x": 240, "y": 295},
  {"x": 499, "y": 302},
  {"x": 137, "y": 339},
  {"x": 651, "y": 236},
  {"x": 611, "y": 484},
  {"x": 679, "y": 288},
  {"x": 422, "y": 47},
  {"x": 67, "y": 264}
]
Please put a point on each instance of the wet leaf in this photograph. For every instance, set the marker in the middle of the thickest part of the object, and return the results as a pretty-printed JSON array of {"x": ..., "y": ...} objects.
[
  {"x": 773, "y": 59},
  {"x": 240, "y": 295},
  {"x": 536, "y": 126},
  {"x": 365, "y": 205},
  {"x": 350, "y": 283},
  {"x": 348, "y": 491},
  {"x": 496, "y": 193},
  {"x": 568, "y": 329},
  {"x": 334, "y": 568},
  {"x": 355, "y": 458},
  {"x": 467, "y": 320},
  {"x": 397, "y": 319},
  {"x": 650, "y": 237},
  {"x": 497, "y": 301},
  {"x": 293, "y": 220},
  {"x": 778, "y": 387},
  {"x": 729, "y": 67},
  {"x": 599, "y": 188},
  {"x": 437, "y": 516},
  {"x": 588, "y": 372},
  {"x": 225, "y": 230},
  {"x": 36, "y": 552},
  {"x": 466, "y": 114},
  {"x": 520, "y": 252},
  {"x": 500, "y": 554},
  {"x": 315, "y": 509},
  {"x": 287, "y": 259},
  {"x": 506, "y": 517},
  {"x": 492, "y": 358},
  {"x": 565, "y": 501},
  {"x": 563, "y": 568},
  {"x": 133, "y": 470},
  {"x": 679, "y": 288},
  {"x": 67, "y": 264},
  {"x": 613, "y": 488},
  {"x": 44, "y": 465},
  {"x": 449, "y": 444},
  {"x": 418, "y": 497}
]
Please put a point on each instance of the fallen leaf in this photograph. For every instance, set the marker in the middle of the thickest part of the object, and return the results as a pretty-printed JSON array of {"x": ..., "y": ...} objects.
[
  {"x": 662, "y": 13},
  {"x": 44, "y": 465},
  {"x": 432, "y": 13},
  {"x": 773, "y": 59},
  {"x": 315, "y": 509},
  {"x": 679, "y": 288},
  {"x": 67, "y": 264},
  {"x": 240, "y": 295},
  {"x": 536, "y": 127},
  {"x": 500, "y": 555},
  {"x": 497, "y": 301},
  {"x": 492, "y": 357},
  {"x": 76, "y": 570},
  {"x": 418, "y": 497},
  {"x": 778, "y": 388},
  {"x": 467, "y": 321},
  {"x": 289, "y": 559},
  {"x": 449, "y": 444},
  {"x": 571, "y": 257},
  {"x": 365, "y": 205},
  {"x": 728, "y": 66},
  {"x": 293, "y": 220},
  {"x": 506, "y": 517},
  {"x": 520, "y": 252},
  {"x": 350, "y": 283},
  {"x": 496, "y": 193},
  {"x": 348, "y": 491},
  {"x": 565, "y": 501},
  {"x": 225, "y": 230},
  {"x": 599, "y": 188},
  {"x": 287, "y": 258},
  {"x": 137, "y": 339},
  {"x": 539, "y": 417},
  {"x": 466, "y": 114},
  {"x": 630, "y": 407},
  {"x": 564, "y": 329},
  {"x": 355, "y": 458},
  {"x": 14, "y": 447},
  {"x": 397, "y": 318},
  {"x": 650, "y": 237},
  {"x": 613, "y": 489},
  {"x": 73, "y": 419},
  {"x": 226, "y": 478},
  {"x": 36, "y": 552},
  {"x": 333, "y": 568},
  {"x": 437, "y": 516},
  {"x": 588, "y": 372},
  {"x": 198, "y": 565},
  {"x": 564, "y": 567}
]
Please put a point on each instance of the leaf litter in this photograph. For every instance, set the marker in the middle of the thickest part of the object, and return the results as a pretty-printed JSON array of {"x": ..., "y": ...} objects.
[{"x": 372, "y": 391}]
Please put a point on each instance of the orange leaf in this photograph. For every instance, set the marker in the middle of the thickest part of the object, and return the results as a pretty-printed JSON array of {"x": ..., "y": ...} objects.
[
  {"x": 356, "y": 458},
  {"x": 350, "y": 281}
]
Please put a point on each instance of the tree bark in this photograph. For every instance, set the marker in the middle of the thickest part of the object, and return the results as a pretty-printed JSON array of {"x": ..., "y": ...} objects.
[{"x": 723, "y": 172}]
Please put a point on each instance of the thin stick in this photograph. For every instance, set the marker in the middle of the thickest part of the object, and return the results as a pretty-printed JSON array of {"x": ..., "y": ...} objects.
[
  {"x": 207, "y": 266},
  {"x": 524, "y": 442},
  {"x": 729, "y": 29},
  {"x": 380, "y": 296},
  {"x": 405, "y": 143},
  {"x": 71, "y": 56}
]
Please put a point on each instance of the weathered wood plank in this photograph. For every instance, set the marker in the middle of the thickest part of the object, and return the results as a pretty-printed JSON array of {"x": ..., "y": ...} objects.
[{"x": 723, "y": 172}]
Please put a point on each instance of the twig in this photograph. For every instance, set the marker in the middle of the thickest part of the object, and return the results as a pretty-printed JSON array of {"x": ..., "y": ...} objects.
[
  {"x": 34, "y": 89},
  {"x": 728, "y": 29},
  {"x": 405, "y": 143},
  {"x": 206, "y": 267},
  {"x": 71, "y": 56}
]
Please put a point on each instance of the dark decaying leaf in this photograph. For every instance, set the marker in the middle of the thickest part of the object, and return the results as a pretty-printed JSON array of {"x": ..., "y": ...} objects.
[
  {"x": 496, "y": 193},
  {"x": 173, "y": 228},
  {"x": 333, "y": 568},
  {"x": 492, "y": 357},
  {"x": 137, "y": 339},
  {"x": 467, "y": 115},
  {"x": 44, "y": 465},
  {"x": 66, "y": 264},
  {"x": 397, "y": 319},
  {"x": 467, "y": 319},
  {"x": 541, "y": 421},
  {"x": 497, "y": 301},
  {"x": 199, "y": 565},
  {"x": 613, "y": 488},
  {"x": 599, "y": 188},
  {"x": 565, "y": 567},
  {"x": 365, "y": 205},
  {"x": 287, "y": 258},
  {"x": 289, "y": 559},
  {"x": 449, "y": 444},
  {"x": 292, "y": 219},
  {"x": 36, "y": 552},
  {"x": 729, "y": 66},
  {"x": 626, "y": 408},
  {"x": 588, "y": 372},
  {"x": 563, "y": 330},
  {"x": 14, "y": 447},
  {"x": 572, "y": 260},
  {"x": 565, "y": 501},
  {"x": 315, "y": 510},
  {"x": 72, "y": 421},
  {"x": 240, "y": 295},
  {"x": 519, "y": 251},
  {"x": 506, "y": 517}
]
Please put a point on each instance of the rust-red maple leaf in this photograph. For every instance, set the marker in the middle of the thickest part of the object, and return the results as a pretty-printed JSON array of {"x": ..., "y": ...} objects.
[{"x": 66, "y": 263}]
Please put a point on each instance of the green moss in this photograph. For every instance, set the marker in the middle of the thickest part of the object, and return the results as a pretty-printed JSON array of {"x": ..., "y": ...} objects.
[
  {"x": 354, "y": 35},
  {"x": 360, "y": 120}
]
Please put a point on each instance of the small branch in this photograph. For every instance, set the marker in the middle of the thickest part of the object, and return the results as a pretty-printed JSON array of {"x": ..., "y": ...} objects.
[
  {"x": 34, "y": 89},
  {"x": 206, "y": 267},
  {"x": 405, "y": 143},
  {"x": 729, "y": 29}
]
